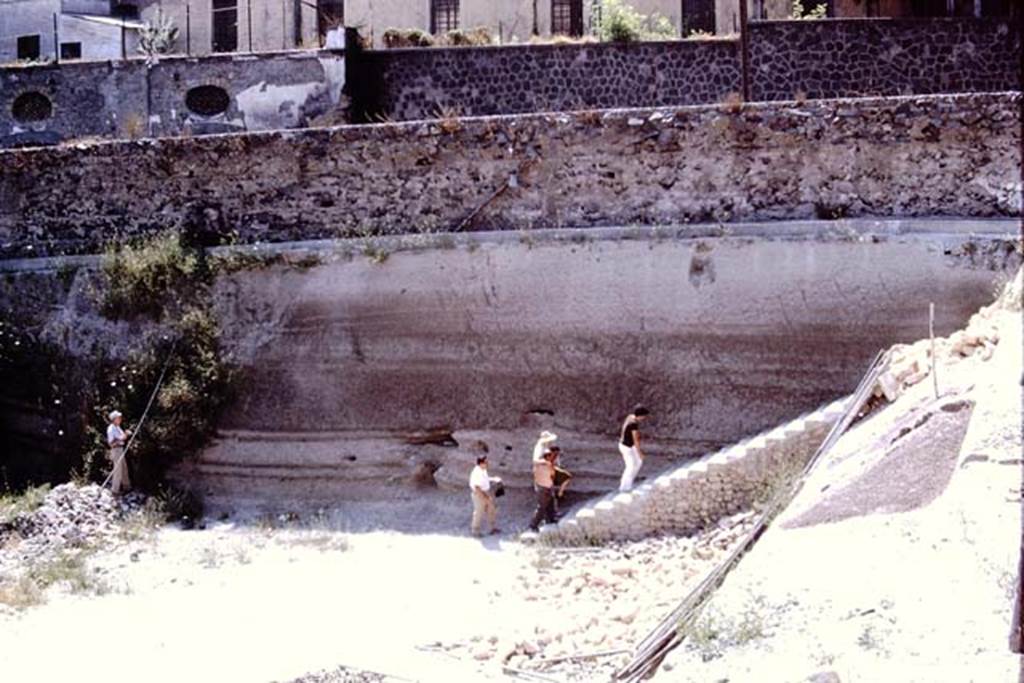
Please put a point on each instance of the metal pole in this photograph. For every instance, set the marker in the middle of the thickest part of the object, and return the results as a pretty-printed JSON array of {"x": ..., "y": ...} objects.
[
  {"x": 745, "y": 49},
  {"x": 124, "y": 45},
  {"x": 188, "y": 30},
  {"x": 248, "y": 19},
  {"x": 56, "y": 40},
  {"x": 931, "y": 335},
  {"x": 284, "y": 25}
]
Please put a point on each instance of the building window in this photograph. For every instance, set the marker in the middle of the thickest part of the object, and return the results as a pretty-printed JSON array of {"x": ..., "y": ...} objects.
[
  {"x": 70, "y": 51},
  {"x": 928, "y": 8},
  {"x": 699, "y": 15},
  {"x": 28, "y": 47},
  {"x": 444, "y": 16},
  {"x": 330, "y": 14},
  {"x": 567, "y": 17},
  {"x": 225, "y": 25},
  {"x": 124, "y": 10},
  {"x": 995, "y": 8}
]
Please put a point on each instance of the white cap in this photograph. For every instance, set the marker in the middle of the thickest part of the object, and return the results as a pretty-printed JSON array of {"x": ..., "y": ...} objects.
[{"x": 114, "y": 414}]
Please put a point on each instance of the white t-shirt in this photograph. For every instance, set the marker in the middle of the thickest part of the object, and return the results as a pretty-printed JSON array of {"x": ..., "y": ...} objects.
[
  {"x": 114, "y": 435},
  {"x": 479, "y": 479}
]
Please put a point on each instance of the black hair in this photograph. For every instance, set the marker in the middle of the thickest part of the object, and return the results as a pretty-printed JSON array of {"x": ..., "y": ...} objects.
[
  {"x": 481, "y": 459},
  {"x": 640, "y": 410}
]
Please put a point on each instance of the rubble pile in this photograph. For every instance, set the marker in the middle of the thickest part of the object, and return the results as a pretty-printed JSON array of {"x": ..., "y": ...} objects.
[
  {"x": 599, "y": 600},
  {"x": 910, "y": 364},
  {"x": 70, "y": 516}
]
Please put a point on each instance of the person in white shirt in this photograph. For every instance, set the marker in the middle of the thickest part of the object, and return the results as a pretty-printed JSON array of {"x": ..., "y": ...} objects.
[
  {"x": 483, "y": 501},
  {"x": 117, "y": 438}
]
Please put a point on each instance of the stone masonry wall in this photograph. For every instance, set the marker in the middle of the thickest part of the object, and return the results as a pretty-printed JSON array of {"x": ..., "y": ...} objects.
[
  {"x": 414, "y": 84},
  {"x": 130, "y": 99},
  {"x": 877, "y": 57},
  {"x": 789, "y": 60},
  {"x": 698, "y": 494},
  {"x": 927, "y": 156}
]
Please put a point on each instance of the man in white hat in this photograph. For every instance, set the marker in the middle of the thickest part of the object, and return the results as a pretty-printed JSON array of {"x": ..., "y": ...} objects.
[{"x": 117, "y": 439}]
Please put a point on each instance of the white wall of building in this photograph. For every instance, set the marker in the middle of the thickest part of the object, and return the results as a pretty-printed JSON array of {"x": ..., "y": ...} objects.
[{"x": 98, "y": 35}]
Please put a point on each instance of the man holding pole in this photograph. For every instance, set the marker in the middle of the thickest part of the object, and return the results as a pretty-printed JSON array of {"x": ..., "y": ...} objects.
[{"x": 117, "y": 439}]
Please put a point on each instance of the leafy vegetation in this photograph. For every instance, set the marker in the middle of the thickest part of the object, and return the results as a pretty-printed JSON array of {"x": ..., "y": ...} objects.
[
  {"x": 713, "y": 632},
  {"x": 14, "y": 504},
  {"x": 817, "y": 12},
  {"x": 148, "y": 277},
  {"x": 621, "y": 23}
]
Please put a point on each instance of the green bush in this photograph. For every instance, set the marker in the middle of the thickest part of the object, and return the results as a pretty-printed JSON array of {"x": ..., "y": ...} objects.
[
  {"x": 14, "y": 504},
  {"x": 165, "y": 280},
  {"x": 148, "y": 277},
  {"x": 797, "y": 11},
  {"x": 621, "y": 23}
]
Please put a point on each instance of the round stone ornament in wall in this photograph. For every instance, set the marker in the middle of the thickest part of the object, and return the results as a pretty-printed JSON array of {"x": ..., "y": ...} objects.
[
  {"x": 207, "y": 100},
  {"x": 31, "y": 107}
]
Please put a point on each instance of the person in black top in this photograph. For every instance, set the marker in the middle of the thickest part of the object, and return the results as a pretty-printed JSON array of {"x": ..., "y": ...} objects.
[{"x": 629, "y": 446}]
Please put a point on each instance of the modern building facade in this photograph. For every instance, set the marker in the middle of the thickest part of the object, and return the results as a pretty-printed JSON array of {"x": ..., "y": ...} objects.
[{"x": 42, "y": 30}]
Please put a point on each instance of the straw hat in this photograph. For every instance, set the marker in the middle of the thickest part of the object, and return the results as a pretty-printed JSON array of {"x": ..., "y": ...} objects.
[{"x": 548, "y": 436}]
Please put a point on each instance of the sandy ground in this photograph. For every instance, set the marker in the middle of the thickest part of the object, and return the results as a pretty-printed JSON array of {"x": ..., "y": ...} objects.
[
  {"x": 898, "y": 561},
  {"x": 256, "y": 603}
]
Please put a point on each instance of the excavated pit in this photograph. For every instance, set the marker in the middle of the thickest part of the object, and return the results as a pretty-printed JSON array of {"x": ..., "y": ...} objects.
[
  {"x": 370, "y": 379},
  {"x": 373, "y": 372}
]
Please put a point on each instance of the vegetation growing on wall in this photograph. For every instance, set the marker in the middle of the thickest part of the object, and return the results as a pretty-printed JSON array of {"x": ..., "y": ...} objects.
[
  {"x": 156, "y": 319},
  {"x": 414, "y": 37},
  {"x": 164, "y": 282}
]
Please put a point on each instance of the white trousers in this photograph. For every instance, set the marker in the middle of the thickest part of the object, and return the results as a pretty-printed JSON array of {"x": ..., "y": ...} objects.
[{"x": 633, "y": 462}]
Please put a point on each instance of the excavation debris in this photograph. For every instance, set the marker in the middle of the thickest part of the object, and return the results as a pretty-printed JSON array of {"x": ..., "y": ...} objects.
[
  {"x": 341, "y": 675},
  {"x": 69, "y": 517}
]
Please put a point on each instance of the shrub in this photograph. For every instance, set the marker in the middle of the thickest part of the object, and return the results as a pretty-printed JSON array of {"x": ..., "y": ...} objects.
[
  {"x": 817, "y": 12},
  {"x": 146, "y": 278},
  {"x": 408, "y": 37},
  {"x": 474, "y": 37},
  {"x": 620, "y": 23},
  {"x": 157, "y": 37},
  {"x": 165, "y": 280},
  {"x": 14, "y": 504}
]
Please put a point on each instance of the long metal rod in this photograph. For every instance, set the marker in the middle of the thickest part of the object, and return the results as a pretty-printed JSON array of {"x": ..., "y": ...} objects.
[{"x": 666, "y": 636}]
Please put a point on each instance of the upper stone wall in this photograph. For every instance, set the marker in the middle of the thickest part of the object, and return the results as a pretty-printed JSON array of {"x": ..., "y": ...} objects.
[
  {"x": 924, "y": 156},
  {"x": 876, "y": 57},
  {"x": 789, "y": 60},
  {"x": 131, "y": 100},
  {"x": 414, "y": 84}
]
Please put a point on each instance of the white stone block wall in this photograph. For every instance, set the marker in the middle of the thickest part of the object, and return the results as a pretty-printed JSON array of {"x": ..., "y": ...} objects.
[{"x": 699, "y": 493}]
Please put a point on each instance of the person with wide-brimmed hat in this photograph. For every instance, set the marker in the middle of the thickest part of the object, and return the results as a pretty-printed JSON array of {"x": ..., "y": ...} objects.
[{"x": 117, "y": 439}]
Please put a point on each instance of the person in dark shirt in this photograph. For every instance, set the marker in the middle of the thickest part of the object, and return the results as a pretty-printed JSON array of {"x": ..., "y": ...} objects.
[{"x": 629, "y": 446}]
